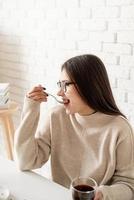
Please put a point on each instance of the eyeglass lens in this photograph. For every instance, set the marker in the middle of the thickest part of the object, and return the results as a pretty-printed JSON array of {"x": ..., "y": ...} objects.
[{"x": 62, "y": 85}]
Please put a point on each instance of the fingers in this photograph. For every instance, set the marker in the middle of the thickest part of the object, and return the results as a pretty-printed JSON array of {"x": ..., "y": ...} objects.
[{"x": 37, "y": 94}]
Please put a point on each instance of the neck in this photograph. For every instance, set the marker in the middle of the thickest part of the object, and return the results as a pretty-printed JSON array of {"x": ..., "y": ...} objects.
[{"x": 87, "y": 112}]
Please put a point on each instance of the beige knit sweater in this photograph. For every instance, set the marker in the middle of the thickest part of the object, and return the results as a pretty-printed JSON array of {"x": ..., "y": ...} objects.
[{"x": 99, "y": 145}]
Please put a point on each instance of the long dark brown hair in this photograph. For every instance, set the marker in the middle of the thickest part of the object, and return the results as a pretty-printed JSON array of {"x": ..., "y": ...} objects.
[{"x": 92, "y": 83}]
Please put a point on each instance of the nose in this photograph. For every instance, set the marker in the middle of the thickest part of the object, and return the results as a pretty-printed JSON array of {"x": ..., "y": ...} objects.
[{"x": 60, "y": 92}]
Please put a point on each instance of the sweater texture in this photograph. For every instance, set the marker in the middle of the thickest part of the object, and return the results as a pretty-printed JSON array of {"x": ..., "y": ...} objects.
[{"x": 99, "y": 146}]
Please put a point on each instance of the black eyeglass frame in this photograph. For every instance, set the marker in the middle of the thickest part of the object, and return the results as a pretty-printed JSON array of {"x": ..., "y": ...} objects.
[{"x": 63, "y": 84}]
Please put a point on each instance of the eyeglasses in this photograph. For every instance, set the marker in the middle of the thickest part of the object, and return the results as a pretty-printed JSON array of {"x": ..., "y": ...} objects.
[{"x": 64, "y": 84}]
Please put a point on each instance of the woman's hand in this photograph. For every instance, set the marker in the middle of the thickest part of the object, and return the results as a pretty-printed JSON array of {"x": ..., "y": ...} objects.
[
  {"x": 98, "y": 195},
  {"x": 37, "y": 94}
]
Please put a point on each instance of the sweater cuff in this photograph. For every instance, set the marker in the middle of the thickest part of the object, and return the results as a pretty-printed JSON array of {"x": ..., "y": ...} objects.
[
  {"x": 30, "y": 105},
  {"x": 30, "y": 102}
]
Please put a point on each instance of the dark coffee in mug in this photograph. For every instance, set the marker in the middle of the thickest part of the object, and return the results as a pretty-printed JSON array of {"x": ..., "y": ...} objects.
[
  {"x": 84, "y": 188},
  {"x": 83, "y": 192}
]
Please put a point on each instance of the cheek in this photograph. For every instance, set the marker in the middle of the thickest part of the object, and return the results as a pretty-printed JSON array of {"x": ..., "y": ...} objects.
[
  {"x": 72, "y": 93},
  {"x": 76, "y": 101},
  {"x": 73, "y": 99}
]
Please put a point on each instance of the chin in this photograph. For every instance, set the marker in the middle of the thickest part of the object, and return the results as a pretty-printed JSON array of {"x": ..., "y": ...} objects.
[{"x": 70, "y": 112}]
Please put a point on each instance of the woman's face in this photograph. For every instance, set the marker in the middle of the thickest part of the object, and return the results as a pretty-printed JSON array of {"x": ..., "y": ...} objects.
[{"x": 72, "y": 101}]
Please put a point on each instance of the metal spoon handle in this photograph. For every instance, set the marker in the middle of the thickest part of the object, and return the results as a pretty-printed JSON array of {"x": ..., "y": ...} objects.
[{"x": 55, "y": 98}]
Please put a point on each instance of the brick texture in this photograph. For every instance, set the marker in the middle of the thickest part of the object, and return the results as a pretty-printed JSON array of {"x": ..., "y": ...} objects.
[{"x": 37, "y": 36}]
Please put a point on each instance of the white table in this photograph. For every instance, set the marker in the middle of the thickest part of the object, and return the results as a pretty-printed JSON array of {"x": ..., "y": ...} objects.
[{"x": 29, "y": 185}]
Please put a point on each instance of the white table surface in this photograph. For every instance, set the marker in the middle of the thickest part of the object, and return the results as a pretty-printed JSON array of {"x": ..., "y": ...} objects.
[{"x": 29, "y": 185}]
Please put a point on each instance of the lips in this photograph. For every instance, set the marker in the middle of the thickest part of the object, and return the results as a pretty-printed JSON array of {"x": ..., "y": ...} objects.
[{"x": 66, "y": 101}]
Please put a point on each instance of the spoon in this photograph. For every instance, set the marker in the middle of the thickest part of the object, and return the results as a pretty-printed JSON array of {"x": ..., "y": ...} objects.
[
  {"x": 62, "y": 102},
  {"x": 55, "y": 98}
]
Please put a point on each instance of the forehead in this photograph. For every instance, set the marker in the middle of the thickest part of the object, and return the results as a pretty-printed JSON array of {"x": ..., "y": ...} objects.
[{"x": 63, "y": 76}]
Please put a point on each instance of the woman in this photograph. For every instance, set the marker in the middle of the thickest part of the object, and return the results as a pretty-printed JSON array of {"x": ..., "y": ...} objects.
[{"x": 86, "y": 136}]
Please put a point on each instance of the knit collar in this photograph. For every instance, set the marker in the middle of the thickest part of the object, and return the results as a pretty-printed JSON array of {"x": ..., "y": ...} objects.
[{"x": 84, "y": 120}]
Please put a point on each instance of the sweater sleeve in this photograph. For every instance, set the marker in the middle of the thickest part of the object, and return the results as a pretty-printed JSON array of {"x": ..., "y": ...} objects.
[
  {"x": 121, "y": 186},
  {"x": 31, "y": 145}
]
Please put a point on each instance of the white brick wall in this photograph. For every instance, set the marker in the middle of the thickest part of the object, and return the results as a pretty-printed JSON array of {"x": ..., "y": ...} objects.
[{"x": 37, "y": 36}]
